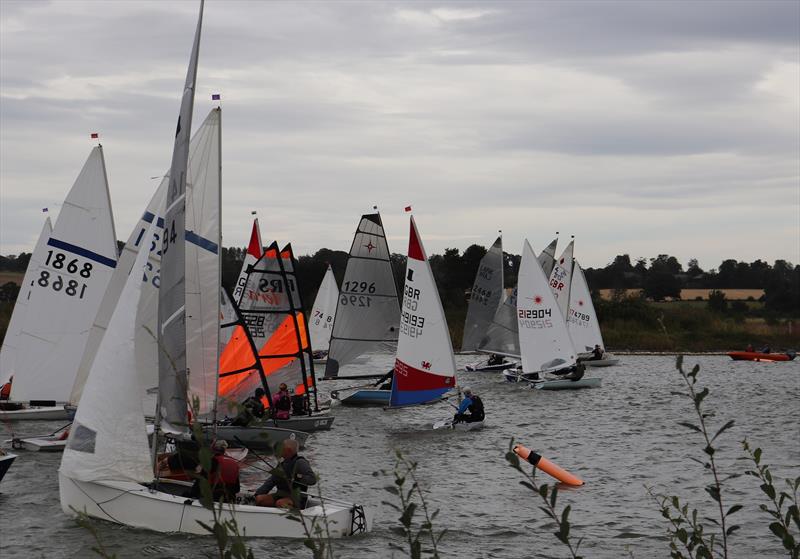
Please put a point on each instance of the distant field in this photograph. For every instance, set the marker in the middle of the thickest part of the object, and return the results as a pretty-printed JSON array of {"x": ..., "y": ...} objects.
[
  {"x": 15, "y": 277},
  {"x": 693, "y": 294}
]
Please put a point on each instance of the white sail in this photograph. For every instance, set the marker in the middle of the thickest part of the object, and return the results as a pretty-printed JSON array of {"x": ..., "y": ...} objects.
[
  {"x": 322, "y": 313},
  {"x": 172, "y": 374},
  {"x": 8, "y": 354},
  {"x": 368, "y": 310},
  {"x": 203, "y": 192},
  {"x": 424, "y": 368},
  {"x": 582, "y": 320},
  {"x": 544, "y": 340},
  {"x": 547, "y": 258},
  {"x": 255, "y": 249},
  {"x": 118, "y": 279},
  {"x": 561, "y": 279},
  {"x": 68, "y": 288},
  {"x": 108, "y": 439},
  {"x": 485, "y": 299},
  {"x": 502, "y": 336}
]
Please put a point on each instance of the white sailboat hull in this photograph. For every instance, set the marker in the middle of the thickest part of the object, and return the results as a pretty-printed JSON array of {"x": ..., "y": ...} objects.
[
  {"x": 49, "y": 443},
  {"x": 56, "y": 413},
  {"x": 134, "y": 505},
  {"x": 604, "y": 362}
]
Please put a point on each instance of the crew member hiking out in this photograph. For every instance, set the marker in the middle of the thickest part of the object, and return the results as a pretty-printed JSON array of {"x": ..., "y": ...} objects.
[{"x": 471, "y": 408}]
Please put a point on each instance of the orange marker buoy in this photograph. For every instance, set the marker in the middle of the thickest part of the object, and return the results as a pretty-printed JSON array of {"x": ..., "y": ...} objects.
[{"x": 547, "y": 466}]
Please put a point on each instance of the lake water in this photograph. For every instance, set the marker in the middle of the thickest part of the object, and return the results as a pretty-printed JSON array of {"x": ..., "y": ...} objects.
[{"x": 619, "y": 439}]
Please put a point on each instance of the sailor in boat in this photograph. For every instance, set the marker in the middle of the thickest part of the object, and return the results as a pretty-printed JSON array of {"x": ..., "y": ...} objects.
[
  {"x": 597, "y": 353},
  {"x": 186, "y": 458},
  {"x": 766, "y": 349},
  {"x": 282, "y": 402},
  {"x": 385, "y": 382},
  {"x": 251, "y": 409},
  {"x": 290, "y": 479},
  {"x": 471, "y": 408},
  {"x": 223, "y": 477},
  {"x": 749, "y": 348},
  {"x": 495, "y": 359},
  {"x": 300, "y": 404}
]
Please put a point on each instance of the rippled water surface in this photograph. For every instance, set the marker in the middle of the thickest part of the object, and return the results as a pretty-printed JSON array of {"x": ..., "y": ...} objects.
[{"x": 619, "y": 439}]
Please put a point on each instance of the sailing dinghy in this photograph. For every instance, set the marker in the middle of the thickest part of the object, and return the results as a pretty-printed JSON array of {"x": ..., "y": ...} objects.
[
  {"x": 502, "y": 336},
  {"x": 70, "y": 277},
  {"x": 6, "y": 459},
  {"x": 106, "y": 470},
  {"x": 367, "y": 316},
  {"x": 272, "y": 311},
  {"x": 322, "y": 313},
  {"x": 424, "y": 367},
  {"x": 484, "y": 301},
  {"x": 584, "y": 328},
  {"x": 544, "y": 339}
]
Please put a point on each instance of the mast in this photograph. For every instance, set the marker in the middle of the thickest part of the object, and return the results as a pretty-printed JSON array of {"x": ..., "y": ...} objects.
[{"x": 219, "y": 264}]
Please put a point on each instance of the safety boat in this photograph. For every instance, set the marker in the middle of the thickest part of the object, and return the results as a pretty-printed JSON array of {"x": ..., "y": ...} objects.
[
  {"x": 758, "y": 356},
  {"x": 106, "y": 471}
]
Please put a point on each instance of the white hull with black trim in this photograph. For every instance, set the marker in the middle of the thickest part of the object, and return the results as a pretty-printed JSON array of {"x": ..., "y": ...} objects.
[{"x": 136, "y": 505}]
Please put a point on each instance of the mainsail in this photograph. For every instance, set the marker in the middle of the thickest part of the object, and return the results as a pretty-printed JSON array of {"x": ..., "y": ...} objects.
[
  {"x": 8, "y": 354},
  {"x": 273, "y": 312},
  {"x": 368, "y": 310},
  {"x": 485, "y": 298},
  {"x": 561, "y": 279},
  {"x": 69, "y": 285},
  {"x": 424, "y": 368},
  {"x": 203, "y": 272},
  {"x": 172, "y": 374},
  {"x": 544, "y": 341},
  {"x": 323, "y": 311},
  {"x": 502, "y": 336},
  {"x": 148, "y": 296},
  {"x": 108, "y": 439},
  {"x": 582, "y": 320},
  {"x": 547, "y": 258}
]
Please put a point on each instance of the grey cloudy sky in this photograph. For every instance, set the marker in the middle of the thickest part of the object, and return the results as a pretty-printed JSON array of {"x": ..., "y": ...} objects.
[{"x": 638, "y": 127}]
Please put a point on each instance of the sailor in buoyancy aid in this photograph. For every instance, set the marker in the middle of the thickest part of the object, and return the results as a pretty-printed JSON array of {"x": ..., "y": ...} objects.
[
  {"x": 282, "y": 402},
  {"x": 472, "y": 404},
  {"x": 290, "y": 480},
  {"x": 223, "y": 477}
]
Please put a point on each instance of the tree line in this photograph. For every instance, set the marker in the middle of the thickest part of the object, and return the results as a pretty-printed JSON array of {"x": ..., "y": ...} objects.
[{"x": 658, "y": 278}]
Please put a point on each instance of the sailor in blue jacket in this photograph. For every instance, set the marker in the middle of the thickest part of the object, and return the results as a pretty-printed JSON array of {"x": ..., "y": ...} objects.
[{"x": 472, "y": 404}]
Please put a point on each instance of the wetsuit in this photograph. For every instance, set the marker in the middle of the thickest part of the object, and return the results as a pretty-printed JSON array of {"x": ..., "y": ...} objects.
[{"x": 474, "y": 405}]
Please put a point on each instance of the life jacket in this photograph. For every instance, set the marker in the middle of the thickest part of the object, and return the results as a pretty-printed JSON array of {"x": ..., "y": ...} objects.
[
  {"x": 5, "y": 391},
  {"x": 476, "y": 407},
  {"x": 283, "y": 405},
  {"x": 289, "y": 473},
  {"x": 224, "y": 475}
]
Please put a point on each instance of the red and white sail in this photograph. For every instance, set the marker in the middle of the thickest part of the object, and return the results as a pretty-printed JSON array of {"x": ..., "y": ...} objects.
[
  {"x": 424, "y": 367},
  {"x": 255, "y": 249},
  {"x": 561, "y": 279}
]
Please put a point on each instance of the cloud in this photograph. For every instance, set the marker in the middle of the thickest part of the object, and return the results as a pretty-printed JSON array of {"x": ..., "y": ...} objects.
[{"x": 616, "y": 120}]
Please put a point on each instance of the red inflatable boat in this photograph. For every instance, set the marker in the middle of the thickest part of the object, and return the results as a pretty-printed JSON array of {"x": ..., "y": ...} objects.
[{"x": 756, "y": 356}]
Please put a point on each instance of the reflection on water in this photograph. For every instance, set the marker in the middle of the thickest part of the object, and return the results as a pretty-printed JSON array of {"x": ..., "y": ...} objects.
[{"x": 619, "y": 439}]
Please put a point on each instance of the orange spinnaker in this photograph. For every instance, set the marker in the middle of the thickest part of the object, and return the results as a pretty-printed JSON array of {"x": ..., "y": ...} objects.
[
  {"x": 238, "y": 354},
  {"x": 547, "y": 466}
]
